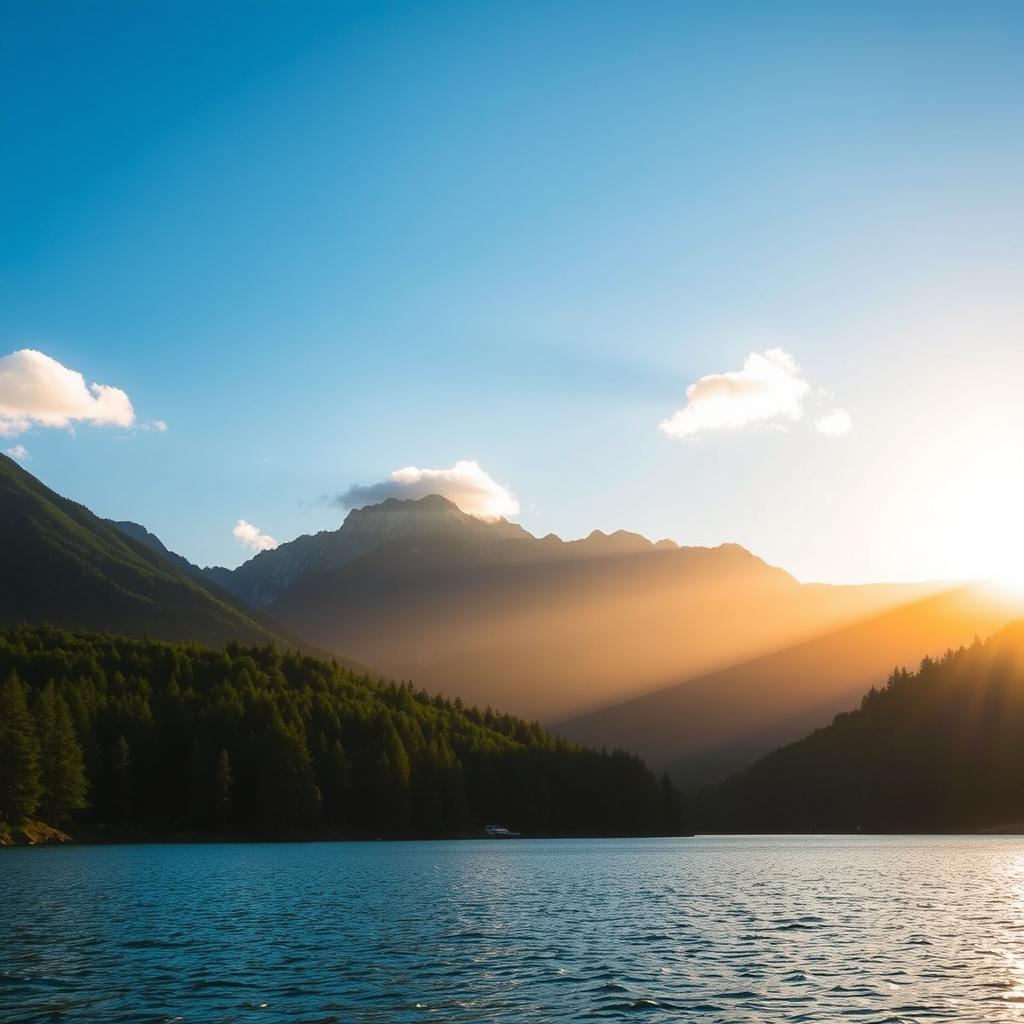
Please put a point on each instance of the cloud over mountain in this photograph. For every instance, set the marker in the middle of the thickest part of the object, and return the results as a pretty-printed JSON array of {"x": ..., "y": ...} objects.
[
  {"x": 253, "y": 537},
  {"x": 36, "y": 390},
  {"x": 465, "y": 483}
]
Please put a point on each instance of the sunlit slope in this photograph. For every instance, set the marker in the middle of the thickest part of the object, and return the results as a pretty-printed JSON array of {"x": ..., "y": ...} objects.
[
  {"x": 549, "y": 629},
  {"x": 62, "y": 565},
  {"x": 934, "y": 750},
  {"x": 707, "y": 727}
]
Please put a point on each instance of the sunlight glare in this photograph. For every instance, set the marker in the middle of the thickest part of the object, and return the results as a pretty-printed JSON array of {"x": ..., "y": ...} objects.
[{"x": 988, "y": 531}]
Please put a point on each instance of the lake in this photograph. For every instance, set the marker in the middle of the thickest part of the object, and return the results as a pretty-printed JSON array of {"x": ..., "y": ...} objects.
[{"x": 716, "y": 929}]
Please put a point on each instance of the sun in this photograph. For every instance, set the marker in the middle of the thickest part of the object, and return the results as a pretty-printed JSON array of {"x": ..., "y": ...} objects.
[
  {"x": 978, "y": 526},
  {"x": 996, "y": 553}
]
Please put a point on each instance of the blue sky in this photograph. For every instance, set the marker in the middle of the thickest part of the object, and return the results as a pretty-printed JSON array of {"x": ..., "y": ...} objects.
[{"x": 326, "y": 241}]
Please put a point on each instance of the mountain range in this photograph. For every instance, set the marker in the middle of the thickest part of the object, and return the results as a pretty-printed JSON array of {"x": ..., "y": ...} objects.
[
  {"x": 542, "y": 627},
  {"x": 698, "y": 659}
]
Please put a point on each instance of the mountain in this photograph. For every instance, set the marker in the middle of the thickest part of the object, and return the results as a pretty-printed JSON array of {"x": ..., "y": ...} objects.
[
  {"x": 935, "y": 750},
  {"x": 64, "y": 566},
  {"x": 541, "y": 627},
  {"x": 585, "y": 632},
  {"x": 154, "y": 543},
  {"x": 705, "y": 728},
  {"x": 270, "y": 574}
]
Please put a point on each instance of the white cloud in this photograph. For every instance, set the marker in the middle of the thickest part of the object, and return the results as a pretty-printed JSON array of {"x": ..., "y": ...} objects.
[
  {"x": 253, "y": 537},
  {"x": 466, "y": 484},
  {"x": 768, "y": 388},
  {"x": 834, "y": 423},
  {"x": 36, "y": 390},
  {"x": 19, "y": 453},
  {"x": 158, "y": 425}
]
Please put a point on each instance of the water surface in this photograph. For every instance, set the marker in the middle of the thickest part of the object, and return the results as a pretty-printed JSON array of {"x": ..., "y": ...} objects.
[{"x": 718, "y": 929}]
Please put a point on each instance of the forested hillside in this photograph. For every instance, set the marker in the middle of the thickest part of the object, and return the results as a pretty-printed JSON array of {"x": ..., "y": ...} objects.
[
  {"x": 64, "y": 566},
  {"x": 940, "y": 749},
  {"x": 101, "y": 730}
]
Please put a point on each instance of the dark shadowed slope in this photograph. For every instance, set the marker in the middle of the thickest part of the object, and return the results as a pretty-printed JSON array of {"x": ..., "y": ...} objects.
[
  {"x": 705, "y": 728},
  {"x": 62, "y": 565},
  {"x": 937, "y": 750},
  {"x": 150, "y": 540},
  {"x": 539, "y": 626}
]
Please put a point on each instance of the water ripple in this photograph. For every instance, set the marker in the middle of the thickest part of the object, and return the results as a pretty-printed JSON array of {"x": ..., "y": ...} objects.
[{"x": 796, "y": 930}]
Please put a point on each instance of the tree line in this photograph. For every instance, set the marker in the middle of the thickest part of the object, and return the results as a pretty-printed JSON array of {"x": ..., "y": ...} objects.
[{"x": 99, "y": 730}]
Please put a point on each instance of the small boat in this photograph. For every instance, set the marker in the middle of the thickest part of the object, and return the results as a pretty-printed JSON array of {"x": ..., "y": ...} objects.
[{"x": 500, "y": 832}]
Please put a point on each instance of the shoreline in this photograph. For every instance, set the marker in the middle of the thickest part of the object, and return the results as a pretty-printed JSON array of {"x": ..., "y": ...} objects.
[{"x": 38, "y": 834}]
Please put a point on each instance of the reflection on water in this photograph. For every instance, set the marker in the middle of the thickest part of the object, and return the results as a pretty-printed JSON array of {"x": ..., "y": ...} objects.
[{"x": 723, "y": 929}]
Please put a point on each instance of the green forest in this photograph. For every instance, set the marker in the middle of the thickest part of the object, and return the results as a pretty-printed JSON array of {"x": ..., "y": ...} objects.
[
  {"x": 102, "y": 732},
  {"x": 934, "y": 750}
]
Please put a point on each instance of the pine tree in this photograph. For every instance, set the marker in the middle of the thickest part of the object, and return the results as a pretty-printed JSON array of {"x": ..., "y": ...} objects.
[
  {"x": 19, "y": 754},
  {"x": 120, "y": 759},
  {"x": 289, "y": 795},
  {"x": 670, "y": 808},
  {"x": 223, "y": 784},
  {"x": 62, "y": 766},
  {"x": 200, "y": 794},
  {"x": 393, "y": 783},
  {"x": 453, "y": 789},
  {"x": 334, "y": 783}
]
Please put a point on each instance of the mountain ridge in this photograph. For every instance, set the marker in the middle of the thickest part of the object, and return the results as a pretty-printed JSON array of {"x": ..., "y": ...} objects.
[
  {"x": 547, "y": 627},
  {"x": 139, "y": 533},
  {"x": 931, "y": 750},
  {"x": 268, "y": 574},
  {"x": 420, "y": 589},
  {"x": 65, "y": 566},
  {"x": 486, "y": 611},
  {"x": 702, "y": 728}
]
